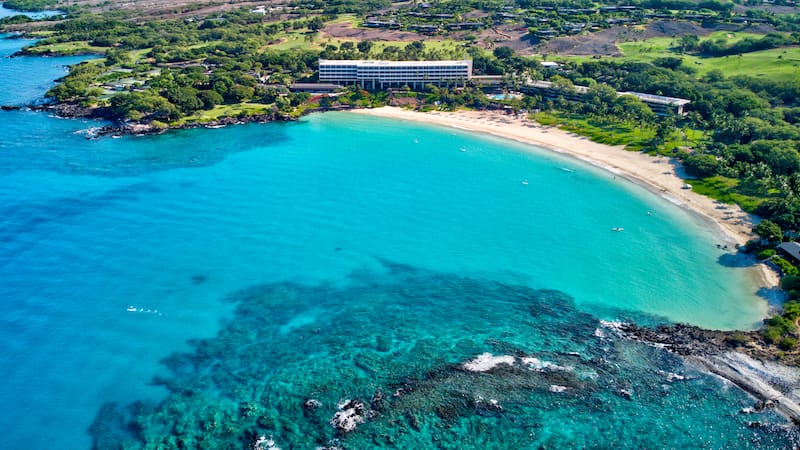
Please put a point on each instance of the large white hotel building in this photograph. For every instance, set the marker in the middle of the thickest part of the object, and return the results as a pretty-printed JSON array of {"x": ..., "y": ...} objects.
[{"x": 375, "y": 74}]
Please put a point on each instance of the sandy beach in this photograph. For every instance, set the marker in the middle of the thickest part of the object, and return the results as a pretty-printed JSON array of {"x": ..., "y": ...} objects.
[{"x": 657, "y": 174}]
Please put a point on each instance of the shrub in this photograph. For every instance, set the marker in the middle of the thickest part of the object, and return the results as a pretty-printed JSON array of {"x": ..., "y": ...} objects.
[
  {"x": 788, "y": 343},
  {"x": 782, "y": 324},
  {"x": 786, "y": 267},
  {"x": 771, "y": 334},
  {"x": 737, "y": 339},
  {"x": 791, "y": 310},
  {"x": 790, "y": 283},
  {"x": 766, "y": 253}
]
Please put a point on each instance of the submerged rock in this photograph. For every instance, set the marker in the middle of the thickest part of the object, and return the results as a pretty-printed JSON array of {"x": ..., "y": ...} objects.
[
  {"x": 486, "y": 361},
  {"x": 312, "y": 403},
  {"x": 351, "y": 414},
  {"x": 264, "y": 443}
]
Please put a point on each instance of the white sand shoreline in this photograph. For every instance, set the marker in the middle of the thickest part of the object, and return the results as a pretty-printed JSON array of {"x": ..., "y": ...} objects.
[{"x": 657, "y": 174}]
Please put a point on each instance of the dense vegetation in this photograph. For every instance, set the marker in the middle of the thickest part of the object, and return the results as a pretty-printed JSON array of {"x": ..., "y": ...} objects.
[{"x": 31, "y": 5}]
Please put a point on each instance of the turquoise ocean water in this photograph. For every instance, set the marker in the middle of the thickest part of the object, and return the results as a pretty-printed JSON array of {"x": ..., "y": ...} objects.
[{"x": 203, "y": 287}]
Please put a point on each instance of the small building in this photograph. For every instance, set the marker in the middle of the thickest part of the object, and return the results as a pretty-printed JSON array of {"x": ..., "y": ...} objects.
[
  {"x": 465, "y": 26},
  {"x": 315, "y": 88},
  {"x": 374, "y": 23},
  {"x": 489, "y": 83},
  {"x": 547, "y": 34},
  {"x": 430, "y": 29},
  {"x": 791, "y": 249},
  {"x": 662, "y": 105},
  {"x": 659, "y": 104}
]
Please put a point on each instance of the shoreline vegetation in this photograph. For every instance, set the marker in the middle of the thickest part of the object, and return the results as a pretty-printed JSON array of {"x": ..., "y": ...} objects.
[{"x": 197, "y": 67}]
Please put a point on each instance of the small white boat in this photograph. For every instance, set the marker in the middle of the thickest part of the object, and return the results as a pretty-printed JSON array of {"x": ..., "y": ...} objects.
[
  {"x": 131, "y": 309},
  {"x": 463, "y": 149},
  {"x": 525, "y": 182},
  {"x": 617, "y": 229}
]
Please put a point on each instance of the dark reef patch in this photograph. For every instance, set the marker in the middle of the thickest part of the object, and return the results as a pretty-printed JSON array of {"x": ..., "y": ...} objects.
[{"x": 389, "y": 360}]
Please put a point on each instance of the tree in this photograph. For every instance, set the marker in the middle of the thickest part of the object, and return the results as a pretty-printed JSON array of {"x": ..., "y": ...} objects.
[
  {"x": 503, "y": 52},
  {"x": 115, "y": 56},
  {"x": 239, "y": 93},
  {"x": 768, "y": 231},
  {"x": 688, "y": 42},
  {"x": 668, "y": 62},
  {"x": 316, "y": 24},
  {"x": 184, "y": 98},
  {"x": 364, "y": 47},
  {"x": 210, "y": 98},
  {"x": 600, "y": 98},
  {"x": 700, "y": 165},
  {"x": 780, "y": 156}
]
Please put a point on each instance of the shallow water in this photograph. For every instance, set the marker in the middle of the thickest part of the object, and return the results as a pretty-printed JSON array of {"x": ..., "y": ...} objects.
[
  {"x": 397, "y": 341},
  {"x": 332, "y": 258}
]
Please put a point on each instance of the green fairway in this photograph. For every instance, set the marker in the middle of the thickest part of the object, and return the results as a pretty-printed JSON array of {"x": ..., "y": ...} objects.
[
  {"x": 778, "y": 63},
  {"x": 219, "y": 111},
  {"x": 67, "y": 48}
]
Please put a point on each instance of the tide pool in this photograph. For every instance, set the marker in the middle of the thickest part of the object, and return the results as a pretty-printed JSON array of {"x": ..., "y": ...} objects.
[{"x": 229, "y": 276}]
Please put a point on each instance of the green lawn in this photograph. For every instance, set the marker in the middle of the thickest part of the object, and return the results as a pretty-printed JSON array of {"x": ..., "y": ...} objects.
[
  {"x": 776, "y": 64},
  {"x": 351, "y": 19},
  {"x": 227, "y": 111},
  {"x": 653, "y": 48},
  {"x": 779, "y": 63},
  {"x": 605, "y": 133},
  {"x": 67, "y": 48},
  {"x": 297, "y": 39},
  {"x": 631, "y": 135},
  {"x": 445, "y": 44},
  {"x": 725, "y": 190}
]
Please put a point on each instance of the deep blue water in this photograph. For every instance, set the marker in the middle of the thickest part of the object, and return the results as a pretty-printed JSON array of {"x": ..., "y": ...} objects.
[
  {"x": 334, "y": 258},
  {"x": 25, "y": 80}
]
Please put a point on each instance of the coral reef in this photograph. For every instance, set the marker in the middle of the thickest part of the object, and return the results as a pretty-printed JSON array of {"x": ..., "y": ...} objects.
[{"x": 426, "y": 359}]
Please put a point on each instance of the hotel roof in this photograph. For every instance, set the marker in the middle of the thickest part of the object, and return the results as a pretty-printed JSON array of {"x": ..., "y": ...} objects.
[{"x": 380, "y": 63}]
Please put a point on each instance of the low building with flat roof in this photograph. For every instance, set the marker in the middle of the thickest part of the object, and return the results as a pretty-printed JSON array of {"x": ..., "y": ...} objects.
[
  {"x": 659, "y": 104},
  {"x": 375, "y": 74},
  {"x": 315, "y": 88},
  {"x": 792, "y": 249}
]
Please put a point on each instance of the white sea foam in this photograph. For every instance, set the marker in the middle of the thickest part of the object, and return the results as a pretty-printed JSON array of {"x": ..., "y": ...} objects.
[
  {"x": 539, "y": 365},
  {"x": 487, "y": 361}
]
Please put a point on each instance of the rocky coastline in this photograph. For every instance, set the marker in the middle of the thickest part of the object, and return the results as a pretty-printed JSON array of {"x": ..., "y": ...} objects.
[
  {"x": 117, "y": 128},
  {"x": 744, "y": 359}
]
